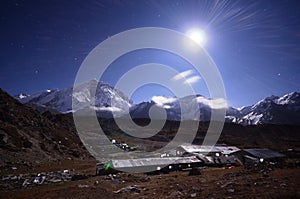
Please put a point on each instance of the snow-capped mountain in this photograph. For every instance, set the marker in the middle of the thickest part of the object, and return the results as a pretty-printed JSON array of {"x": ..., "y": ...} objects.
[
  {"x": 186, "y": 108},
  {"x": 273, "y": 109},
  {"x": 108, "y": 100},
  {"x": 83, "y": 98}
]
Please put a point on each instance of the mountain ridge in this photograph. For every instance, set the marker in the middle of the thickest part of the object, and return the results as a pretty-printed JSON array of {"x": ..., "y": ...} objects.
[{"x": 108, "y": 102}]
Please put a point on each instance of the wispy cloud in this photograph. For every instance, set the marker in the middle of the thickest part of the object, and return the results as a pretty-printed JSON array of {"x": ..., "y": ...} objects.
[
  {"x": 192, "y": 80},
  {"x": 182, "y": 75},
  {"x": 185, "y": 77}
]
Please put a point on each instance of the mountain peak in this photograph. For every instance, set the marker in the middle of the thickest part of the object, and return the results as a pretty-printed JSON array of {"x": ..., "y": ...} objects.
[
  {"x": 21, "y": 96},
  {"x": 105, "y": 99},
  {"x": 291, "y": 98},
  {"x": 272, "y": 97},
  {"x": 85, "y": 95}
]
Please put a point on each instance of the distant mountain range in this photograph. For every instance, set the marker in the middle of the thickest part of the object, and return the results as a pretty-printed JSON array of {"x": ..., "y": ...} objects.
[{"x": 107, "y": 100}]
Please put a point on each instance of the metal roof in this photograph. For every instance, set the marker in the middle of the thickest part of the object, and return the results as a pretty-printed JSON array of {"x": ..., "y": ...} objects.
[
  {"x": 264, "y": 153},
  {"x": 153, "y": 162},
  {"x": 252, "y": 158},
  {"x": 217, "y": 160},
  {"x": 227, "y": 150},
  {"x": 190, "y": 148}
]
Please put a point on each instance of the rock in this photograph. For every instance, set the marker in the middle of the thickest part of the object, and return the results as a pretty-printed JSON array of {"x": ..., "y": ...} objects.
[
  {"x": 55, "y": 180},
  {"x": 39, "y": 178},
  {"x": 4, "y": 178},
  {"x": 36, "y": 180},
  {"x": 196, "y": 189},
  {"x": 175, "y": 194},
  {"x": 145, "y": 179},
  {"x": 14, "y": 178},
  {"x": 20, "y": 176},
  {"x": 43, "y": 179},
  {"x": 283, "y": 185},
  {"x": 129, "y": 189},
  {"x": 179, "y": 187},
  {"x": 109, "y": 177},
  {"x": 25, "y": 183},
  {"x": 78, "y": 177},
  {"x": 83, "y": 186},
  {"x": 226, "y": 184},
  {"x": 230, "y": 190}
]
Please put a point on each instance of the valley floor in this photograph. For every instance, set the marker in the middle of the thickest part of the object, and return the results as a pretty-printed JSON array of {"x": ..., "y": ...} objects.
[{"x": 238, "y": 182}]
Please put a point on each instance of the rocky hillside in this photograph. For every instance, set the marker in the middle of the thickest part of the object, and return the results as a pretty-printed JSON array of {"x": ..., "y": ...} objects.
[{"x": 27, "y": 136}]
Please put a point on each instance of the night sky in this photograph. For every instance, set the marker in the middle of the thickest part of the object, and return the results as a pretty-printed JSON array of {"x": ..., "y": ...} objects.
[{"x": 255, "y": 44}]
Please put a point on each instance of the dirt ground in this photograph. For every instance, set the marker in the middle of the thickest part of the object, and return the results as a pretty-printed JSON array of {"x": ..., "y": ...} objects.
[{"x": 238, "y": 182}]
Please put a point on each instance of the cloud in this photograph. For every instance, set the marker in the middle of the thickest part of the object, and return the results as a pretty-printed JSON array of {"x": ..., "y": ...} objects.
[
  {"x": 161, "y": 100},
  {"x": 218, "y": 103},
  {"x": 182, "y": 75},
  {"x": 192, "y": 80},
  {"x": 112, "y": 109}
]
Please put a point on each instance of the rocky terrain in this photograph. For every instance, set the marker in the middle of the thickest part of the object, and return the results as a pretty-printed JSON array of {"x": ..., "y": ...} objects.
[
  {"x": 27, "y": 136},
  {"x": 43, "y": 157},
  {"x": 266, "y": 181}
]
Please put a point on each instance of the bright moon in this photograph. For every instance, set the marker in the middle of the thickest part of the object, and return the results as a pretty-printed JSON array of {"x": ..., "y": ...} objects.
[{"x": 198, "y": 36}]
